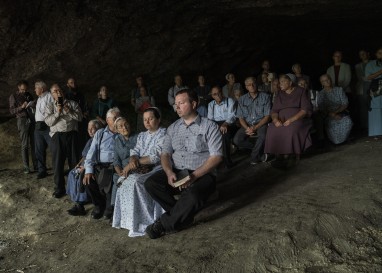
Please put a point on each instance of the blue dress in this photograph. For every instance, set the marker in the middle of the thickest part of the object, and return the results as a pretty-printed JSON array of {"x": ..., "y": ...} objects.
[
  {"x": 134, "y": 208},
  {"x": 73, "y": 185},
  {"x": 328, "y": 101},
  {"x": 122, "y": 149}
]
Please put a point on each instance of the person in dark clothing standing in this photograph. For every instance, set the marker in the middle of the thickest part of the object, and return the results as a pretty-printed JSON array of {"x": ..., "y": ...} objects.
[
  {"x": 62, "y": 116},
  {"x": 21, "y": 104}
]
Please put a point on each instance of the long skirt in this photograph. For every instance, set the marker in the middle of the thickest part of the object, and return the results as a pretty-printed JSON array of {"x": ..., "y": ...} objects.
[
  {"x": 134, "y": 208},
  {"x": 73, "y": 187},
  {"x": 375, "y": 117},
  {"x": 338, "y": 130}
]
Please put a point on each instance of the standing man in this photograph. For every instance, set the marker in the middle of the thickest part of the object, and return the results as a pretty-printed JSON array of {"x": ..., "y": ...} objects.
[
  {"x": 41, "y": 133},
  {"x": 174, "y": 90},
  {"x": 74, "y": 94},
  {"x": 221, "y": 110},
  {"x": 253, "y": 113},
  {"x": 99, "y": 169},
  {"x": 21, "y": 105},
  {"x": 192, "y": 144},
  {"x": 62, "y": 116}
]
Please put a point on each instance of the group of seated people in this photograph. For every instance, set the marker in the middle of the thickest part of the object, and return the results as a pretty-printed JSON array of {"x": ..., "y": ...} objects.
[{"x": 130, "y": 176}]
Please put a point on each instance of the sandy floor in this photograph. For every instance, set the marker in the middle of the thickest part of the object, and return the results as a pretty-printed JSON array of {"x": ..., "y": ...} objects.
[{"x": 323, "y": 216}]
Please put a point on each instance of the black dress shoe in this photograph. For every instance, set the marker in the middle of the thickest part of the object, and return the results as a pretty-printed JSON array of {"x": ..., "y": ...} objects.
[
  {"x": 77, "y": 210},
  {"x": 155, "y": 230},
  {"x": 97, "y": 213},
  {"x": 41, "y": 175},
  {"x": 59, "y": 194}
]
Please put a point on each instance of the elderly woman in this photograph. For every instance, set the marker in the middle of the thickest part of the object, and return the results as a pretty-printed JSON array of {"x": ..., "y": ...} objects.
[
  {"x": 102, "y": 104},
  {"x": 124, "y": 142},
  {"x": 332, "y": 113},
  {"x": 75, "y": 176},
  {"x": 228, "y": 89},
  {"x": 134, "y": 208},
  {"x": 289, "y": 131}
]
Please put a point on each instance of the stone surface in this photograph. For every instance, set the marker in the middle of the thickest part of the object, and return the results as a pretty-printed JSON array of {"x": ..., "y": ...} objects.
[{"x": 112, "y": 41}]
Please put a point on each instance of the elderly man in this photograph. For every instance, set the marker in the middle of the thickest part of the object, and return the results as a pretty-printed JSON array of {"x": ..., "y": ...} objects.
[
  {"x": 253, "y": 113},
  {"x": 221, "y": 110},
  {"x": 62, "y": 116},
  {"x": 192, "y": 145},
  {"x": 41, "y": 132},
  {"x": 20, "y": 104},
  {"x": 99, "y": 169}
]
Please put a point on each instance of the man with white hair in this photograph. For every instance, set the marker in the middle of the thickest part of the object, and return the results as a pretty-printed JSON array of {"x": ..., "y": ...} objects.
[
  {"x": 62, "y": 116},
  {"x": 98, "y": 177},
  {"x": 41, "y": 132}
]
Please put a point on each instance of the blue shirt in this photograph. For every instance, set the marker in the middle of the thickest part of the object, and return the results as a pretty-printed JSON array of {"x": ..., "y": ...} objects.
[
  {"x": 101, "y": 151},
  {"x": 372, "y": 67},
  {"x": 254, "y": 109},
  {"x": 191, "y": 145},
  {"x": 223, "y": 111}
]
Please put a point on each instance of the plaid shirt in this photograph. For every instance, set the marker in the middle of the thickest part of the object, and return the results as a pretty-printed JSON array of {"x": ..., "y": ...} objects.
[
  {"x": 253, "y": 110},
  {"x": 191, "y": 145}
]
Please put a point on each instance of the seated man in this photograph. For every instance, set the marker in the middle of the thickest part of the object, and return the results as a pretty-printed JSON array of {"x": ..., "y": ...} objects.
[
  {"x": 221, "y": 110},
  {"x": 192, "y": 143},
  {"x": 253, "y": 113},
  {"x": 99, "y": 169}
]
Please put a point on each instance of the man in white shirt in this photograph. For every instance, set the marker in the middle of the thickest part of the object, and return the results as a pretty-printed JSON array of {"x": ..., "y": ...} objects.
[{"x": 41, "y": 133}]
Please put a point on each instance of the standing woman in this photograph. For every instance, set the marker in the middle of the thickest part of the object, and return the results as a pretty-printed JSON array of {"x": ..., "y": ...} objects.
[
  {"x": 373, "y": 72},
  {"x": 134, "y": 207},
  {"x": 141, "y": 104},
  {"x": 289, "y": 131},
  {"x": 231, "y": 86},
  {"x": 102, "y": 104},
  {"x": 332, "y": 104}
]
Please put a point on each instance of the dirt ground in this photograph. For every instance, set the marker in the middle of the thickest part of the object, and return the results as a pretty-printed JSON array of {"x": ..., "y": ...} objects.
[{"x": 323, "y": 216}]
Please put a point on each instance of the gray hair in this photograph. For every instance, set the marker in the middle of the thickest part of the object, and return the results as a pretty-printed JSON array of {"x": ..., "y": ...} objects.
[
  {"x": 113, "y": 111},
  {"x": 41, "y": 84},
  {"x": 96, "y": 123}
]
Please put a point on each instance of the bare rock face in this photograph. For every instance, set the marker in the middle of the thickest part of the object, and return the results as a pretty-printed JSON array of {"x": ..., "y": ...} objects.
[{"x": 112, "y": 41}]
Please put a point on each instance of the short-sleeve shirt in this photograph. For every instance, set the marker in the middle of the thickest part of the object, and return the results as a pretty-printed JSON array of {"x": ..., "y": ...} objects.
[
  {"x": 254, "y": 109},
  {"x": 191, "y": 145}
]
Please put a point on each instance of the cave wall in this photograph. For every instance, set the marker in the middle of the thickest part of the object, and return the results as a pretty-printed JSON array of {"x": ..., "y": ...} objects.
[{"x": 110, "y": 42}]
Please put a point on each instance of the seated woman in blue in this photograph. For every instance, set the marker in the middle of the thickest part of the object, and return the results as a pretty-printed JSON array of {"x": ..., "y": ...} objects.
[
  {"x": 332, "y": 104},
  {"x": 134, "y": 209},
  {"x": 124, "y": 142},
  {"x": 75, "y": 176}
]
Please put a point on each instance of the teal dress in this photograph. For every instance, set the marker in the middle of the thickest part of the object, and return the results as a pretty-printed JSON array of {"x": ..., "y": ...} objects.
[{"x": 101, "y": 106}]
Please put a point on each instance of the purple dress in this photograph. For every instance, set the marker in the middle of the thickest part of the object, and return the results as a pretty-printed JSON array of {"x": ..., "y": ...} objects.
[{"x": 295, "y": 138}]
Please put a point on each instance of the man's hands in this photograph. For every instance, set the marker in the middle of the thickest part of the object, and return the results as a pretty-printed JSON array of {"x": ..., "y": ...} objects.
[{"x": 224, "y": 128}]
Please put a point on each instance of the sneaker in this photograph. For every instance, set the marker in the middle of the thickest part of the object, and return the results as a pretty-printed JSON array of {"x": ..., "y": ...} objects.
[
  {"x": 27, "y": 170},
  {"x": 264, "y": 158},
  {"x": 254, "y": 162},
  {"x": 77, "y": 210},
  {"x": 155, "y": 230}
]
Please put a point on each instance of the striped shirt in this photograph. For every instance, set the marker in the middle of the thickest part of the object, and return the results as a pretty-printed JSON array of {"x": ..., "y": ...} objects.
[
  {"x": 64, "y": 121},
  {"x": 191, "y": 145},
  {"x": 254, "y": 109}
]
